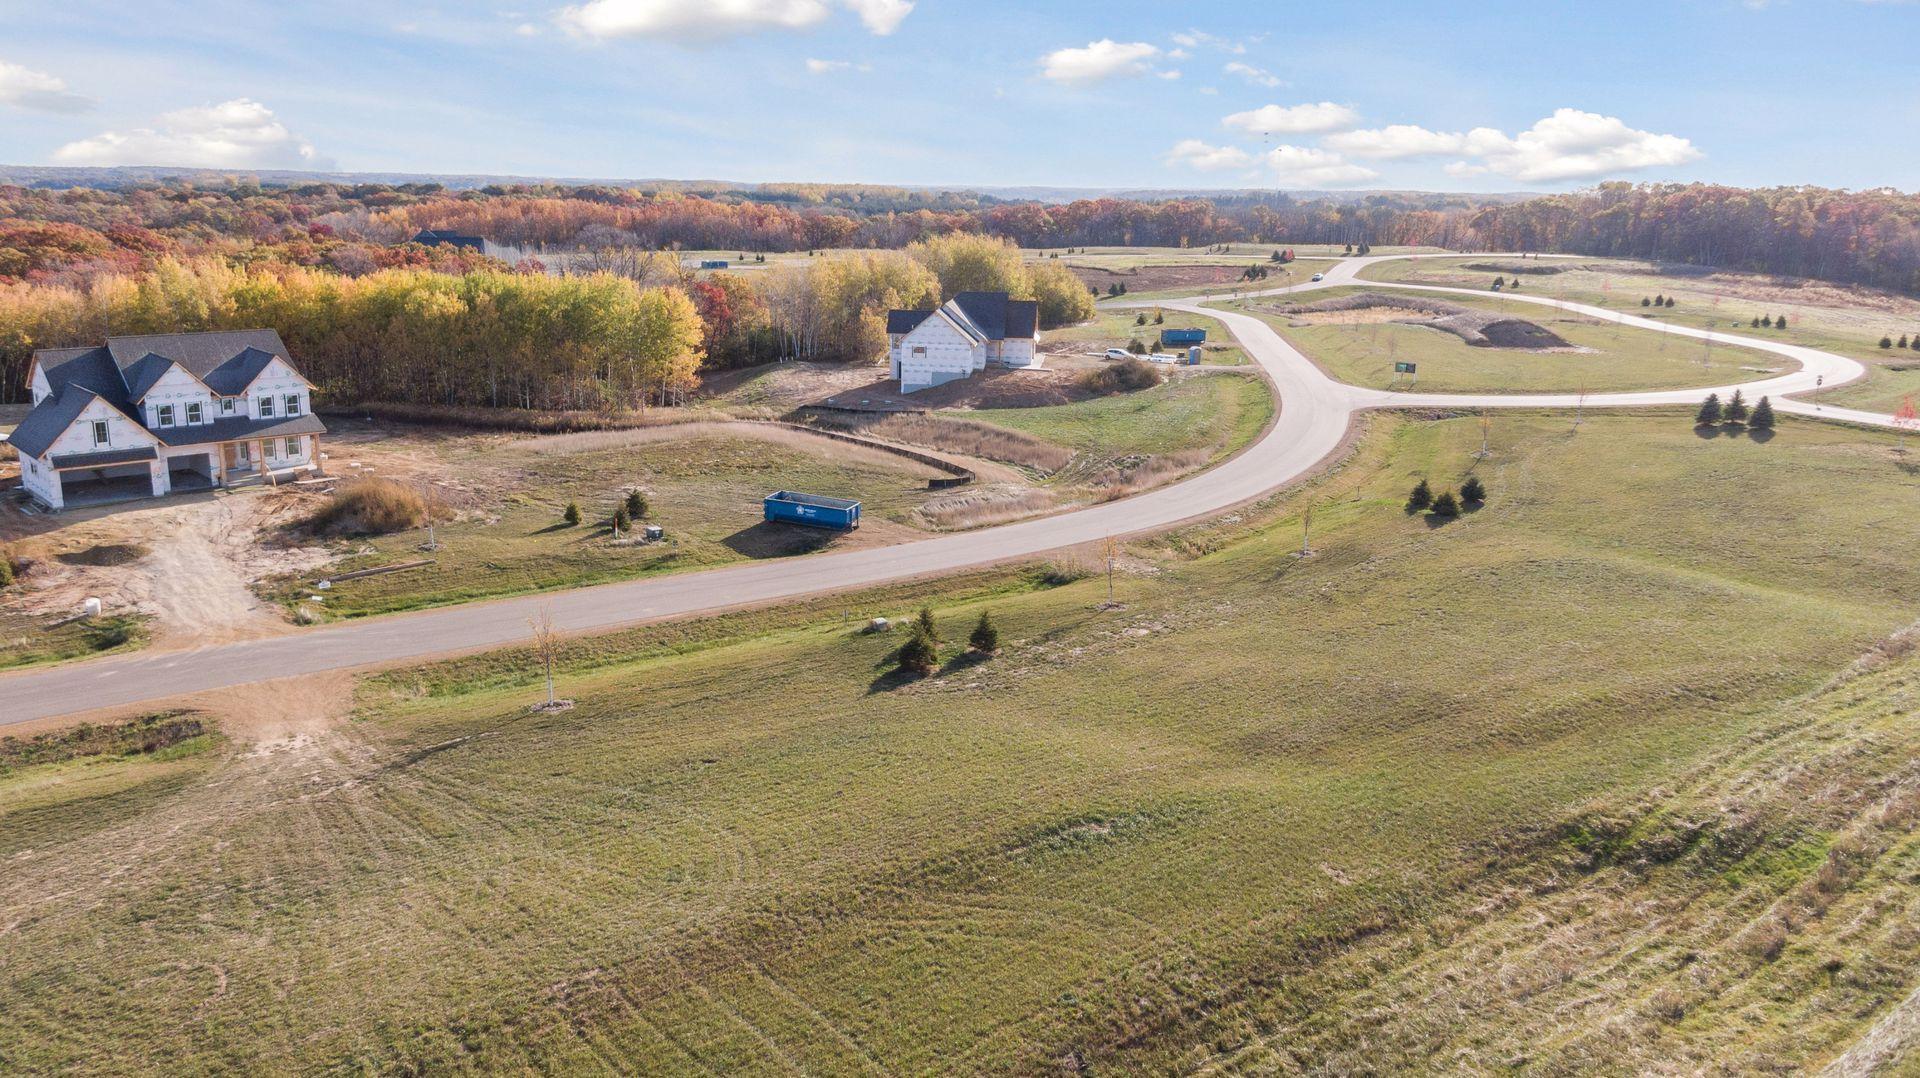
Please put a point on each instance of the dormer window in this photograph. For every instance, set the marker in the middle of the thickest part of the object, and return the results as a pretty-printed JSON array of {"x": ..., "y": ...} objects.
[
  {"x": 293, "y": 403},
  {"x": 196, "y": 415},
  {"x": 165, "y": 413},
  {"x": 228, "y": 404},
  {"x": 266, "y": 407}
]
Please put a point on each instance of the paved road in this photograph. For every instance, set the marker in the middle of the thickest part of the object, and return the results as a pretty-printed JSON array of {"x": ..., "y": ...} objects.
[{"x": 1314, "y": 415}]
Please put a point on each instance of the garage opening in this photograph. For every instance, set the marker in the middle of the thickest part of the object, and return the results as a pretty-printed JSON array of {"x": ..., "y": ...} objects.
[
  {"x": 114, "y": 483},
  {"x": 193, "y": 471}
]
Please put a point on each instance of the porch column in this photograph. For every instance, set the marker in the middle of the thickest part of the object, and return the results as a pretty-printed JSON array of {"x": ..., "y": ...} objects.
[
  {"x": 161, "y": 479},
  {"x": 259, "y": 457}
]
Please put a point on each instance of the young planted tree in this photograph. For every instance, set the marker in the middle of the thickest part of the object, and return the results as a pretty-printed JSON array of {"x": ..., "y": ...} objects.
[
  {"x": 1886, "y": 342},
  {"x": 1446, "y": 505},
  {"x": 1473, "y": 491},
  {"x": 1709, "y": 412},
  {"x": 924, "y": 623},
  {"x": 1159, "y": 318},
  {"x": 1659, "y": 301},
  {"x": 1736, "y": 411},
  {"x": 1780, "y": 322},
  {"x": 1421, "y": 497},
  {"x": 621, "y": 522},
  {"x": 6, "y": 568},
  {"x": 985, "y": 638},
  {"x": 1140, "y": 319},
  {"x": 1903, "y": 341},
  {"x": 571, "y": 514},
  {"x": 546, "y": 645},
  {"x": 636, "y": 505},
  {"x": 1762, "y": 415},
  {"x": 1645, "y": 302},
  {"x": 1754, "y": 322},
  {"x": 920, "y": 654},
  {"x": 1671, "y": 301}
]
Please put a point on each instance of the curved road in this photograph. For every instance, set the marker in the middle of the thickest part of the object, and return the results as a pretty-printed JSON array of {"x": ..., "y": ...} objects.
[{"x": 1315, "y": 412}]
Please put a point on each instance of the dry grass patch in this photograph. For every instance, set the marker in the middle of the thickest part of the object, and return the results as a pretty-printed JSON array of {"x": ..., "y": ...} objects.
[
  {"x": 973, "y": 439},
  {"x": 369, "y": 507},
  {"x": 978, "y": 506}
]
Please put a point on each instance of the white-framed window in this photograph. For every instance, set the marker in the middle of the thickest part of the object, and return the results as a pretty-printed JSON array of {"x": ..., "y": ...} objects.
[
  {"x": 228, "y": 404},
  {"x": 293, "y": 403},
  {"x": 293, "y": 448},
  {"x": 270, "y": 445},
  {"x": 196, "y": 415},
  {"x": 166, "y": 415},
  {"x": 99, "y": 433},
  {"x": 266, "y": 407},
  {"x": 919, "y": 349}
]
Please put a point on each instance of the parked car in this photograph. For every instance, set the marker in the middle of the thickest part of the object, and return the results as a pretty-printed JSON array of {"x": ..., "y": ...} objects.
[
  {"x": 1319, "y": 276},
  {"x": 1118, "y": 353}
]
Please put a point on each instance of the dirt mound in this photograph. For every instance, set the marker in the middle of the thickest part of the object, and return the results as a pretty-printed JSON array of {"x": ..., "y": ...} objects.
[
  {"x": 1481, "y": 329},
  {"x": 104, "y": 555}
]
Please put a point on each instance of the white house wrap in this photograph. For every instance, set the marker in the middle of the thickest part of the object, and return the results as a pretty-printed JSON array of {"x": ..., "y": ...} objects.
[
  {"x": 968, "y": 332},
  {"x": 145, "y": 416}
]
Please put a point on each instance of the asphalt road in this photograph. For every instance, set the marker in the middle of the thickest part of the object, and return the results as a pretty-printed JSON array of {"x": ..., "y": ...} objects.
[{"x": 1315, "y": 412}]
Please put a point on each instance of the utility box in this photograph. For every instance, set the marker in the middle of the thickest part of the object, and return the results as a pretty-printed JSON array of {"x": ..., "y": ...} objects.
[
  {"x": 813, "y": 510},
  {"x": 1182, "y": 336},
  {"x": 652, "y": 533},
  {"x": 713, "y": 263}
]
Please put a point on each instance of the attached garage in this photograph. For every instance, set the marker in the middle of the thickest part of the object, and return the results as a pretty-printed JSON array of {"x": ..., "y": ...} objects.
[
  {"x": 191, "y": 471},
  {"x": 110, "y": 476}
]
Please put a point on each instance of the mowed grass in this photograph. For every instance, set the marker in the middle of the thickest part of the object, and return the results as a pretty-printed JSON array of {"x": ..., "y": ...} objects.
[
  {"x": 1212, "y": 414},
  {"x": 30, "y": 641},
  {"x": 704, "y": 490},
  {"x": 1608, "y": 357},
  {"x": 1846, "y": 320},
  {"x": 1114, "y": 328},
  {"x": 1138, "y": 839}
]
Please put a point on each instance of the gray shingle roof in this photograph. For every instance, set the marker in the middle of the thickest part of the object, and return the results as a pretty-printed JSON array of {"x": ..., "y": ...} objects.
[
  {"x": 984, "y": 316},
  {"x": 235, "y": 427},
  {"x": 234, "y": 376},
  {"x": 50, "y": 419},
  {"x": 105, "y": 457},
  {"x": 200, "y": 353},
  {"x": 905, "y": 321}
]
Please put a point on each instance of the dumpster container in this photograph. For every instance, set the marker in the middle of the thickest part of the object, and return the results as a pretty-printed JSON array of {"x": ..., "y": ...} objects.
[
  {"x": 1182, "y": 336},
  {"x": 813, "y": 510}
]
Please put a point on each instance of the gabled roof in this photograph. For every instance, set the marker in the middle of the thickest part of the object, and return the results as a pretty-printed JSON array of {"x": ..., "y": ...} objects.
[
  {"x": 200, "y": 353},
  {"x": 144, "y": 373},
  {"x": 906, "y": 321},
  {"x": 50, "y": 419},
  {"x": 982, "y": 316},
  {"x": 232, "y": 378}
]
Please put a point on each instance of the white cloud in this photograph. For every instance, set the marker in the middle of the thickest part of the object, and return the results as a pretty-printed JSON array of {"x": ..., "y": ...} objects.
[
  {"x": 705, "y": 21},
  {"x": 1576, "y": 145},
  {"x": 1098, "y": 61},
  {"x": 1294, "y": 119},
  {"x": 234, "y": 134},
  {"x": 881, "y": 16},
  {"x": 28, "y": 89},
  {"x": 828, "y": 67},
  {"x": 1193, "y": 39},
  {"x": 527, "y": 29},
  {"x": 1397, "y": 141},
  {"x": 1259, "y": 76},
  {"x": 1194, "y": 153},
  {"x": 1304, "y": 166}
]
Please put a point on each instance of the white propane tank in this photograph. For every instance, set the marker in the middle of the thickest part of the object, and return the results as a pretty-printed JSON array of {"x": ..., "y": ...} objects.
[{"x": 92, "y": 608}]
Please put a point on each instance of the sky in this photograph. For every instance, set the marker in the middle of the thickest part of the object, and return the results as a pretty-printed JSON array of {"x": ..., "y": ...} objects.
[{"x": 1121, "y": 94}]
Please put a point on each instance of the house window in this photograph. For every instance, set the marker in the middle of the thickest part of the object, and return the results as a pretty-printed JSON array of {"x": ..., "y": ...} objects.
[
  {"x": 166, "y": 415},
  {"x": 293, "y": 448},
  {"x": 227, "y": 405},
  {"x": 99, "y": 433},
  {"x": 293, "y": 404},
  {"x": 270, "y": 444},
  {"x": 919, "y": 349},
  {"x": 266, "y": 407},
  {"x": 195, "y": 414}
]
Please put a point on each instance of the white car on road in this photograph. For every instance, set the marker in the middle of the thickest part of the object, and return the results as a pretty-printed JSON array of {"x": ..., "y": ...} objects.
[
  {"x": 1118, "y": 353},
  {"x": 1319, "y": 276}
]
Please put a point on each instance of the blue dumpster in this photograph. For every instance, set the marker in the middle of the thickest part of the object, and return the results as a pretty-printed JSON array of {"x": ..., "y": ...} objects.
[
  {"x": 813, "y": 510},
  {"x": 1182, "y": 336}
]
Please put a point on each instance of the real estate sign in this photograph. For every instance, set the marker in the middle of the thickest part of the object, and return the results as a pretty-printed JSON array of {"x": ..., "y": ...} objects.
[{"x": 1405, "y": 368}]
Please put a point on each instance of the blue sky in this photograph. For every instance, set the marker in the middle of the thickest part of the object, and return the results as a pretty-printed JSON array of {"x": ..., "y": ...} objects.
[{"x": 1123, "y": 93}]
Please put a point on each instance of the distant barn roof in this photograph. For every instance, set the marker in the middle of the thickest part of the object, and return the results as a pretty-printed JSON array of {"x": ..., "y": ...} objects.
[{"x": 431, "y": 236}]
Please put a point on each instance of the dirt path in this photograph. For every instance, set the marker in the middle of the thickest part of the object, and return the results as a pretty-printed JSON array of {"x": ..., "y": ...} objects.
[{"x": 198, "y": 588}]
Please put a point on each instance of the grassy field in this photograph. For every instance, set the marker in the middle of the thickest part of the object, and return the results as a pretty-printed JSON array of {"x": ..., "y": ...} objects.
[
  {"x": 705, "y": 490},
  {"x": 1361, "y": 811},
  {"x": 1843, "y": 319},
  {"x": 1614, "y": 358},
  {"x": 1114, "y": 328},
  {"x": 1205, "y": 416},
  {"x": 26, "y": 641}
]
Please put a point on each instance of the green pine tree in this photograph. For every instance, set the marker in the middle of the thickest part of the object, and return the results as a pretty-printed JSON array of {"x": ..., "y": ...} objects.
[
  {"x": 1886, "y": 342},
  {"x": 924, "y": 623},
  {"x": 1762, "y": 415},
  {"x": 1780, "y": 322},
  {"x": 1421, "y": 496},
  {"x": 572, "y": 513},
  {"x": 1645, "y": 302},
  {"x": 1473, "y": 491},
  {"x": 1709, "y": 413},
  {"x": 1736, "y": 411},
  {"x": 1671, "y": 301},
  {"x": 920, "y": 654},
  {"x": 621, "y": 521},
  {"x": 985, "y": 638},
  {"x": 636, "y": 505},
  {"x": 1446, "y": 505}
]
